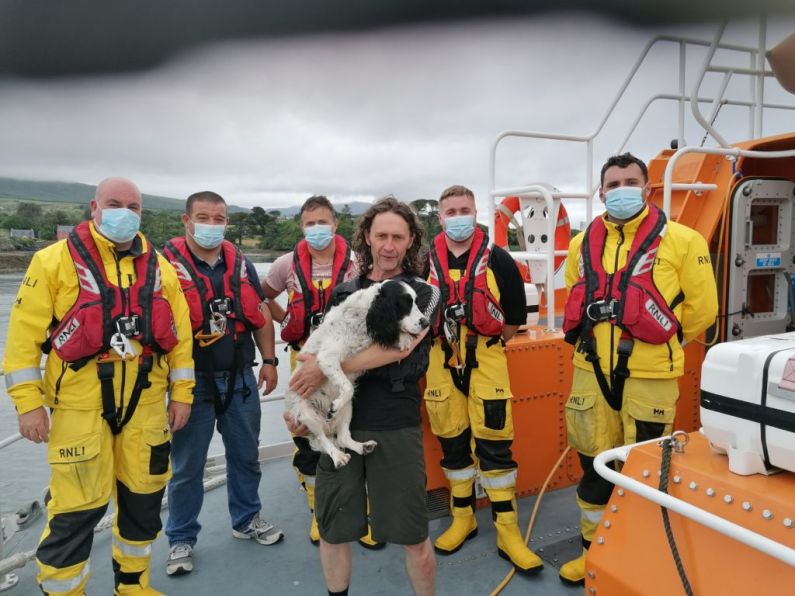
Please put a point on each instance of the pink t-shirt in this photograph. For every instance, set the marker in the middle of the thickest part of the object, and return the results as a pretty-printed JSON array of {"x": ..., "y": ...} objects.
[{"x": 281, "y": 277}]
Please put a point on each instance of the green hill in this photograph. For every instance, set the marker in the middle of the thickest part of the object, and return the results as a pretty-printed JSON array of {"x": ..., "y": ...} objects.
[{"x": 74, "y": 192}]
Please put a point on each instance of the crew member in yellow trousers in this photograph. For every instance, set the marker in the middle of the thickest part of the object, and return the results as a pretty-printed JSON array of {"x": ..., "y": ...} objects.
[
  {"x": 468, "y": 392},
  {"x": 639, "y": 288},
  {"x": 110, "y": 313}
]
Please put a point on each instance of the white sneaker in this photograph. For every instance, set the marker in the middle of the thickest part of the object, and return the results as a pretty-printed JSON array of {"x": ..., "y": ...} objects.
[
  {"x": 261, "y": 531},
  {"x": 180, "y": 560}
]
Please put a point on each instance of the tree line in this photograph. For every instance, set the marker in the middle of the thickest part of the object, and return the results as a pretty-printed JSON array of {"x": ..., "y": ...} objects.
[{"x": 268, "y": 229}]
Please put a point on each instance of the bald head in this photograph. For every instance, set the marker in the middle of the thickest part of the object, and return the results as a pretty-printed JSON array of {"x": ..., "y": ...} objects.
[
  {"x": 115, "y": 193},
  {"x": 116, "y": 187}
]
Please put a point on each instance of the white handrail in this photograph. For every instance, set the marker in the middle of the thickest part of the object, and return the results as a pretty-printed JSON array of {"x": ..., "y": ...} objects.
[
  {"x": 694, "y": 108},
  {"x": 533, "y": 190},
  {"x": 730, "y": 152},
  {"x": 710, "y": 520}
]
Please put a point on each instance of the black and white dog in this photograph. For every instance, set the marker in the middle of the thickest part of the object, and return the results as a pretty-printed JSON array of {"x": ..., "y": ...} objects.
[{"x": 385, "y": 313}]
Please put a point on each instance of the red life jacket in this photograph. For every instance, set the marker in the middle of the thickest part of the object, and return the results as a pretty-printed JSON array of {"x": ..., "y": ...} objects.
[
  {"x": 627, "y": 298},
  {"x": 469, "y": 300},
  {"x": 239, "y": 302},
  {"x": 308, "y": 301},
  {"x": 102, "y": 309}
]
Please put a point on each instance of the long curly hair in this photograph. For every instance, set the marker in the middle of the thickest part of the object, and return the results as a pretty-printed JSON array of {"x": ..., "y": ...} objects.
[{"x": 412, "y": 262}]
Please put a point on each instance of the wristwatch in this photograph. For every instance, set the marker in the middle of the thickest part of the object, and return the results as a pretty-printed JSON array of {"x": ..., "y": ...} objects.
[{"x": 272, "y": 361}]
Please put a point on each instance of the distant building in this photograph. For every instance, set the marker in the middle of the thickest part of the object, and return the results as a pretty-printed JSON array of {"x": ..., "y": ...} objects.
[
  {"x": 62, "y": 232},
  {"x": 22, "y": 234}
]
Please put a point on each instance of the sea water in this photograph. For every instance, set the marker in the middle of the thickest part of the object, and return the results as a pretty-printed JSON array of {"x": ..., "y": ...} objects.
[{"x": 23, "y": 465}]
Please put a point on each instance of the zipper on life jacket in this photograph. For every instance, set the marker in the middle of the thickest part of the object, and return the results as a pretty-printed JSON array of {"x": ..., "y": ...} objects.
[{"x": 610, "y": 293}]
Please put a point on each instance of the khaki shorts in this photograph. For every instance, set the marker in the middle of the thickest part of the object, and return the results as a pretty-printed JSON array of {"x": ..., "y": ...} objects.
[{"x": 392, "y": 477}]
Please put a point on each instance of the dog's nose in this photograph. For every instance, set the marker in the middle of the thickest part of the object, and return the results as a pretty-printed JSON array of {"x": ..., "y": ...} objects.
[{"x": 424, "y": 323}]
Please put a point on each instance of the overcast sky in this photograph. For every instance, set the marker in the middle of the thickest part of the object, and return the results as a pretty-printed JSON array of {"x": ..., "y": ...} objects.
[{"x": 406, "y": 111}]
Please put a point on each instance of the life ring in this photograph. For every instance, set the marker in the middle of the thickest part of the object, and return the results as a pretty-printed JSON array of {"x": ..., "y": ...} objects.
[{"x": 503, "y": 218}]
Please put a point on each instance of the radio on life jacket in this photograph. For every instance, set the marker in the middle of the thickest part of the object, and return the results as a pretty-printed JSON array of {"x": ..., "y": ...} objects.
[
  {"x": 601, "y": 310},
  {"x": 455, "y": 312}
]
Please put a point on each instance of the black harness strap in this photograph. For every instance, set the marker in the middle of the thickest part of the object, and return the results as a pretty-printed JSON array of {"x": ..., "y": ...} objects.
[
  {"x": 107, "y": 295},
  {"x": 115, "y": 418},
  {"x": 613, "y": 390},
  {"x": 105, "y": 370}
]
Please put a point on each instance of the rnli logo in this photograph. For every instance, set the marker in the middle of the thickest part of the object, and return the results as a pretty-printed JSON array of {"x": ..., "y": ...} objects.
[
  {"x": 64, "y": 335},
  {"x": 577, "y": 400},
  {"x": 433, "y": 393},
  {"x": 86, "y": 279},
  {"x": 495, "y": 312},
  {"x": 657, "y": 314},
  {"x": 71, "y": 452}
]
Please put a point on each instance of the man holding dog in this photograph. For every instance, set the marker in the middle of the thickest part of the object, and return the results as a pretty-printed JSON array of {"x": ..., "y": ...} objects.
[
  {"x": 468, "y": 392},
  {"x": 319, "y": 263},
  {"x": 228, "y": 316},
  {"x": 386, "y": 409}
]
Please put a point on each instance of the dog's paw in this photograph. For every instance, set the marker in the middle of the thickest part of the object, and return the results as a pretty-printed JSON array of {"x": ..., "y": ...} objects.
[
  {"x": 368, "y": 447},
  {"x": 405, "y": 342},
  {"x": 340, "y": 459},
  {"x": 336, "y": 406}
]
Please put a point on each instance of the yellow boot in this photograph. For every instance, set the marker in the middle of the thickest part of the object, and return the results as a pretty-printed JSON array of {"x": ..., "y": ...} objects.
[
  {"x": 500, "y": 486},
  {"x": 462, "y": 508},
  {"x": 367, "y": 540},
  {"x": 309, "y": 485},
  {"x": 573, "y": 572},
  {"x": 511, "y": 545}
]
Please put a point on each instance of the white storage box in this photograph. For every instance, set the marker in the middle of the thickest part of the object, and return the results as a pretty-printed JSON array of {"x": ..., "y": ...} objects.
[{"x": 748, "y": 402}]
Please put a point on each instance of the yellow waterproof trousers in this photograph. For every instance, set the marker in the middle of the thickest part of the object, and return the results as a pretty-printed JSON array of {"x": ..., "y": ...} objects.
[
  {"x": 88, "y": 465},
  {"x": 648, "y": 410}
]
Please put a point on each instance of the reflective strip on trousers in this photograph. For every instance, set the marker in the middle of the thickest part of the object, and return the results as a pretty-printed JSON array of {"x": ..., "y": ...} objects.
[
  {"x": 592, "y": 515},
  {"x": 506, "y": 480},
  {"x": 132, "y": 550},
  {"x": 464, "y": 474},
  {"x": 23, "y": 375},
  {"x": 309, "y": 480},
  {"x": 65, "y": 585},
  {"x": 181, "y": 374}
]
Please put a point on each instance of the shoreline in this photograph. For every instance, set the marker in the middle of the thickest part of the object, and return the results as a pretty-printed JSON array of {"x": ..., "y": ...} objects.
[{"x": 17, "y": 261}]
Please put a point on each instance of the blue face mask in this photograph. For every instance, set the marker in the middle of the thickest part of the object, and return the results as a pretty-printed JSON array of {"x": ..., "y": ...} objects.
[
  {"x": 119, "y": 225},
  {"x": 459, "y": 227},
  {"x": 624, "y": 202},
  {"x": 318, "y": 236},
  {"x": 208, "y": 235}
]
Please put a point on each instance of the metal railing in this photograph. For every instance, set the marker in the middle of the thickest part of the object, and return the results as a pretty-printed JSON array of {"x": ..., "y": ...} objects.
[
  {"x": 705, "y": 518},
  {"x": 756, "y": 106}
]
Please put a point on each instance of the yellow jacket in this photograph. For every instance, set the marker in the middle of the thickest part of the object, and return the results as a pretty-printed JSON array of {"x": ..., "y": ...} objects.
[
  {"x": 48, "y": 291},
  {"x": 682, "y": 263}
]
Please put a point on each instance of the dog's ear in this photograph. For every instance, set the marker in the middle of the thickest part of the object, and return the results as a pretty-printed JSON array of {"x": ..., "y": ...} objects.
[{"x": 382, "y": 317}]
